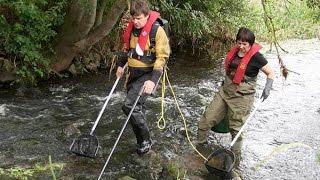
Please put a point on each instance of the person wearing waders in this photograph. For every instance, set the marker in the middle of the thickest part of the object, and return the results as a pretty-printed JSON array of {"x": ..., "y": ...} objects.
[
  {"x": 235, "y": 97},
  {"x": 145, "y": 62}
]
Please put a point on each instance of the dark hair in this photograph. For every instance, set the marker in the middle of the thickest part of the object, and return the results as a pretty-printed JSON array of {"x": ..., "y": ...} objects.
[
  {"x": 246, "y": 35},
  {"x": 139, "y": 7}
]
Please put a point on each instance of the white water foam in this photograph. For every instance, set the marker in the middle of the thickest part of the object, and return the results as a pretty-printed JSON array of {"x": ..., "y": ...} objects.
[{"x": 3, "y": 110}]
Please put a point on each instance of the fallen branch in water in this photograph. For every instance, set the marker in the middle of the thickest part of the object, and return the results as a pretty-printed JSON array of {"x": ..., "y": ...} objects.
[{"x": 271, "y": 28}]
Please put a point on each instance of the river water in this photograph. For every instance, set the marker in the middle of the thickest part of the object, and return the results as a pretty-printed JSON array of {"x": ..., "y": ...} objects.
[{"x": 282, "y": 141}]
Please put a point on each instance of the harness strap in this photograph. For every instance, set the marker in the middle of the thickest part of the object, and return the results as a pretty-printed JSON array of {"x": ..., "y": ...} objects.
[
  {"x": 153, "y": 32},
  {"x": 148, "y": 56}
]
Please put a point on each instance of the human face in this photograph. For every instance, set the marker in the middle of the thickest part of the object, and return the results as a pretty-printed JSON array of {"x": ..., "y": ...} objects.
[
  {"x": 140, "y": 20},
  {"x": 243, "y": 46}
]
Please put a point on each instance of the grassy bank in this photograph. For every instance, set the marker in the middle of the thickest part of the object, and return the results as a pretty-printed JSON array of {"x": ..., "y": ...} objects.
[{"x": 292, "y": 19}]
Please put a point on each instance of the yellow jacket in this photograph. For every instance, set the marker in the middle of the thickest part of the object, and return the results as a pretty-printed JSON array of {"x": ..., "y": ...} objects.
[{"x": 161, "y": 50}]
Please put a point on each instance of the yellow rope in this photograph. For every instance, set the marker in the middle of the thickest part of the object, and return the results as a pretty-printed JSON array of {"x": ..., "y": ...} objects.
[
  {"x": 184, "y": 120},
  {"x": 161, "y": 123}
]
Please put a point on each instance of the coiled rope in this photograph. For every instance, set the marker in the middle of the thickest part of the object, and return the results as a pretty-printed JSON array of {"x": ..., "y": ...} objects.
[{"x": 162, "y": 122}]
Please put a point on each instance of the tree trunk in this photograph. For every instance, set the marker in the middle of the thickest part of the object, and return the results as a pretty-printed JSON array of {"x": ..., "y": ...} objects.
[
  {"x": 105, "y": 27},
  {"x": 75, "y": 35},
  {"x": 77, "y": 24},
  {"x": 100, "y": 12}
]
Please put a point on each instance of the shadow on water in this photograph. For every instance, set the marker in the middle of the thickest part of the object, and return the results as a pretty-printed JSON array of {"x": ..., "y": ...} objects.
[{"x": 44, "y": 123}]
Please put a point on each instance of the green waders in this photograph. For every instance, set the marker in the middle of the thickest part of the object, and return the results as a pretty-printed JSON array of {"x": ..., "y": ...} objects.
[{"x": 232, "y": 102}]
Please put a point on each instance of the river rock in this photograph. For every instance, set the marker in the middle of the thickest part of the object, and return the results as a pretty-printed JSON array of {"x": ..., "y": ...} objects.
[{"x": 71, "y": 130}]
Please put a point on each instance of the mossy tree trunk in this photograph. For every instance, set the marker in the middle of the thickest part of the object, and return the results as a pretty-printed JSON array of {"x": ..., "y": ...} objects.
[{"x": 78, "y": 31}]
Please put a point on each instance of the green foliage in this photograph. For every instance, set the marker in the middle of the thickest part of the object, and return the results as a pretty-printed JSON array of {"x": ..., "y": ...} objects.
[
  {"x": 187, "y": 24},
  {"x": 197, "y": 21},
  {"x": 292, "y": 19},
  {"x": 175, "y": 170},
  {"x": 29, "y": 173},
  {"x": 315, "y": 6},
  {"x": 21, "y": 173},
  {"x": 318, "y": 157},
  {"x": 27, "y": 27},
  {"x": 200, "y": 24},
  {"x": 86, "y": 6},
  {"x": 26, "y": 30}
]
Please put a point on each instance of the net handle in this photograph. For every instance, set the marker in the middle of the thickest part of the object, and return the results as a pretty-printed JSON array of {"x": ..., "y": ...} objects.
[
  {"x": 105, "y": 103},
  {"x": 247, "y": 121},
  {"x": 120, "y": 134}
]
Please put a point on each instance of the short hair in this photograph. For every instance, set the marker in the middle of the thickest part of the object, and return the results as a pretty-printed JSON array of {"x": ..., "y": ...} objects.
[
  {"x": 139, "y": 7},
  {"x": 246, "y": 35}
]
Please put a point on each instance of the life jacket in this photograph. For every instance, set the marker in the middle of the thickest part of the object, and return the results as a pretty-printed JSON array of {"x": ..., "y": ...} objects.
[
  {"x": 149, "y": 30},
  {"x": 241, "y": 69},
  {"x": 143, "y": 37}
]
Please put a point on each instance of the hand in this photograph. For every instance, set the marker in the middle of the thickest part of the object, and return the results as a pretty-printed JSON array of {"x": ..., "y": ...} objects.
[
  {"x": 120, "y": 72},
  {"x": 267, "y": 88},
  {"x": 148, "y": 87}
]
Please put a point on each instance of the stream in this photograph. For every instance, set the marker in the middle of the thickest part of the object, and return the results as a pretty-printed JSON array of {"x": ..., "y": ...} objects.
[{"x": 282, "y": 141}]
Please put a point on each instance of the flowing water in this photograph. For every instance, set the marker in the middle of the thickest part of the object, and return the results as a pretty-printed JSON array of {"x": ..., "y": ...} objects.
[{"x": 281, "y": 142}]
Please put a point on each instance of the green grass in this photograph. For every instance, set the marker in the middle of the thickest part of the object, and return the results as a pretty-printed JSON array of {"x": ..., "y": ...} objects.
[
  {"x": 291, "y": 20},
  {"x": 25, "y": 173}
]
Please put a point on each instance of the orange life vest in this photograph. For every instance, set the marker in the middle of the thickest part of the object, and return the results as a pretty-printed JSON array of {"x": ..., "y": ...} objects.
[
  {"x": 143, "y": 38},
  {"x": 241, "y": 69}
]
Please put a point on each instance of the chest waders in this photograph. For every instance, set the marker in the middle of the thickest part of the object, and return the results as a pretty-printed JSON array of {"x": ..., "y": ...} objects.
[
  {"x": 228, "y": 92},
  {"x": 222, "y": 160}
]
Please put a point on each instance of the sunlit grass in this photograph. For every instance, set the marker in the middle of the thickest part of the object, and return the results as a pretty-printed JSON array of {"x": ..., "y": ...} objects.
[
  {"x": 23, "y": 173},
  {"x": 292, "y": 20},
  {"x": 176, "y": 171}
]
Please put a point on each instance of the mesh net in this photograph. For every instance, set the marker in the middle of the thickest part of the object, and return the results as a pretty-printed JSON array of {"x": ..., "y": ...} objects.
[
  {"x": 85, "y": 145},
  {"x": 220, "y": 162}
]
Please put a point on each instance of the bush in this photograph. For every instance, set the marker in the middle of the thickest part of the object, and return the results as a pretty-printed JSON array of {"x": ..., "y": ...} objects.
[
  {"x": 294, "y": 19},
  {"x": 26, "y": 30}
]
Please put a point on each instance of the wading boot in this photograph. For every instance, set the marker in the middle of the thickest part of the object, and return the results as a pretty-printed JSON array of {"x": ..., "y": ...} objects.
[
  {"x": 144, "y": 147},
  {"x": 201, "y": 143},
  {"x": 202, "y": 137}
]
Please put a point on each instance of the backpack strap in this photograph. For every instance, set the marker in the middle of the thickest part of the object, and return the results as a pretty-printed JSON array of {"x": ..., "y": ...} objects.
[{"x": 153, "y": 33}]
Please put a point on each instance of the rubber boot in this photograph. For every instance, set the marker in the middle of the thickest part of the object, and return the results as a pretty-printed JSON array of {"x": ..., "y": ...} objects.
[
  {"x": 201, "y": 143},
  {"x": 146, "y": 144},
  {"x": 144, "y": 147},
  {"x": 202, "y": 137}
]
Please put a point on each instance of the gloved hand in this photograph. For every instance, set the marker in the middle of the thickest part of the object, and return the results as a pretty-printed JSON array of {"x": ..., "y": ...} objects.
[{"x": 267, "y": 88}]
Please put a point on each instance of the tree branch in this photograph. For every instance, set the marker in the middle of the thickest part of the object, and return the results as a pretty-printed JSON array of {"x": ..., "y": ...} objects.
[
  {"x": 104, "y": 28},
  {"x": 271, "y": 27}
]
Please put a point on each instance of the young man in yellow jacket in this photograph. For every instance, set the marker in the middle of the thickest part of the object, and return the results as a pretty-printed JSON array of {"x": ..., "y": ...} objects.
[{"x": 146, "y": 59}]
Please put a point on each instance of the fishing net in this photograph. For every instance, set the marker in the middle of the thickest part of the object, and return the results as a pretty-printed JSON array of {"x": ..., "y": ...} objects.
[
  {"x": 221, "y": 162},
  {"x": 85, "y": 145}
]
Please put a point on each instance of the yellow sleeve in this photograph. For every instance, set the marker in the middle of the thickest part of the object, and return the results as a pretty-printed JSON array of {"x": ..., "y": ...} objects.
[{"x": 162, "y": 48}]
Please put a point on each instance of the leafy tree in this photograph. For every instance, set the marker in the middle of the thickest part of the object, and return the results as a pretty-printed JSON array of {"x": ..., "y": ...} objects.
[{"x": 26, "y": 30}]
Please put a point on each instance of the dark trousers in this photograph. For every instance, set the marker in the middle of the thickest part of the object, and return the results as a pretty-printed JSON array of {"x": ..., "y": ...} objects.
[{"x": 138, "y": 117}]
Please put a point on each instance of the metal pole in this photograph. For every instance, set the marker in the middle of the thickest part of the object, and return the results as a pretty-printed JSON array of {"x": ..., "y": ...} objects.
[
  {"x": 120, "y": 134},
  {"x": 105, "y": 104},
  {"x": 247, "y": 121}
]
